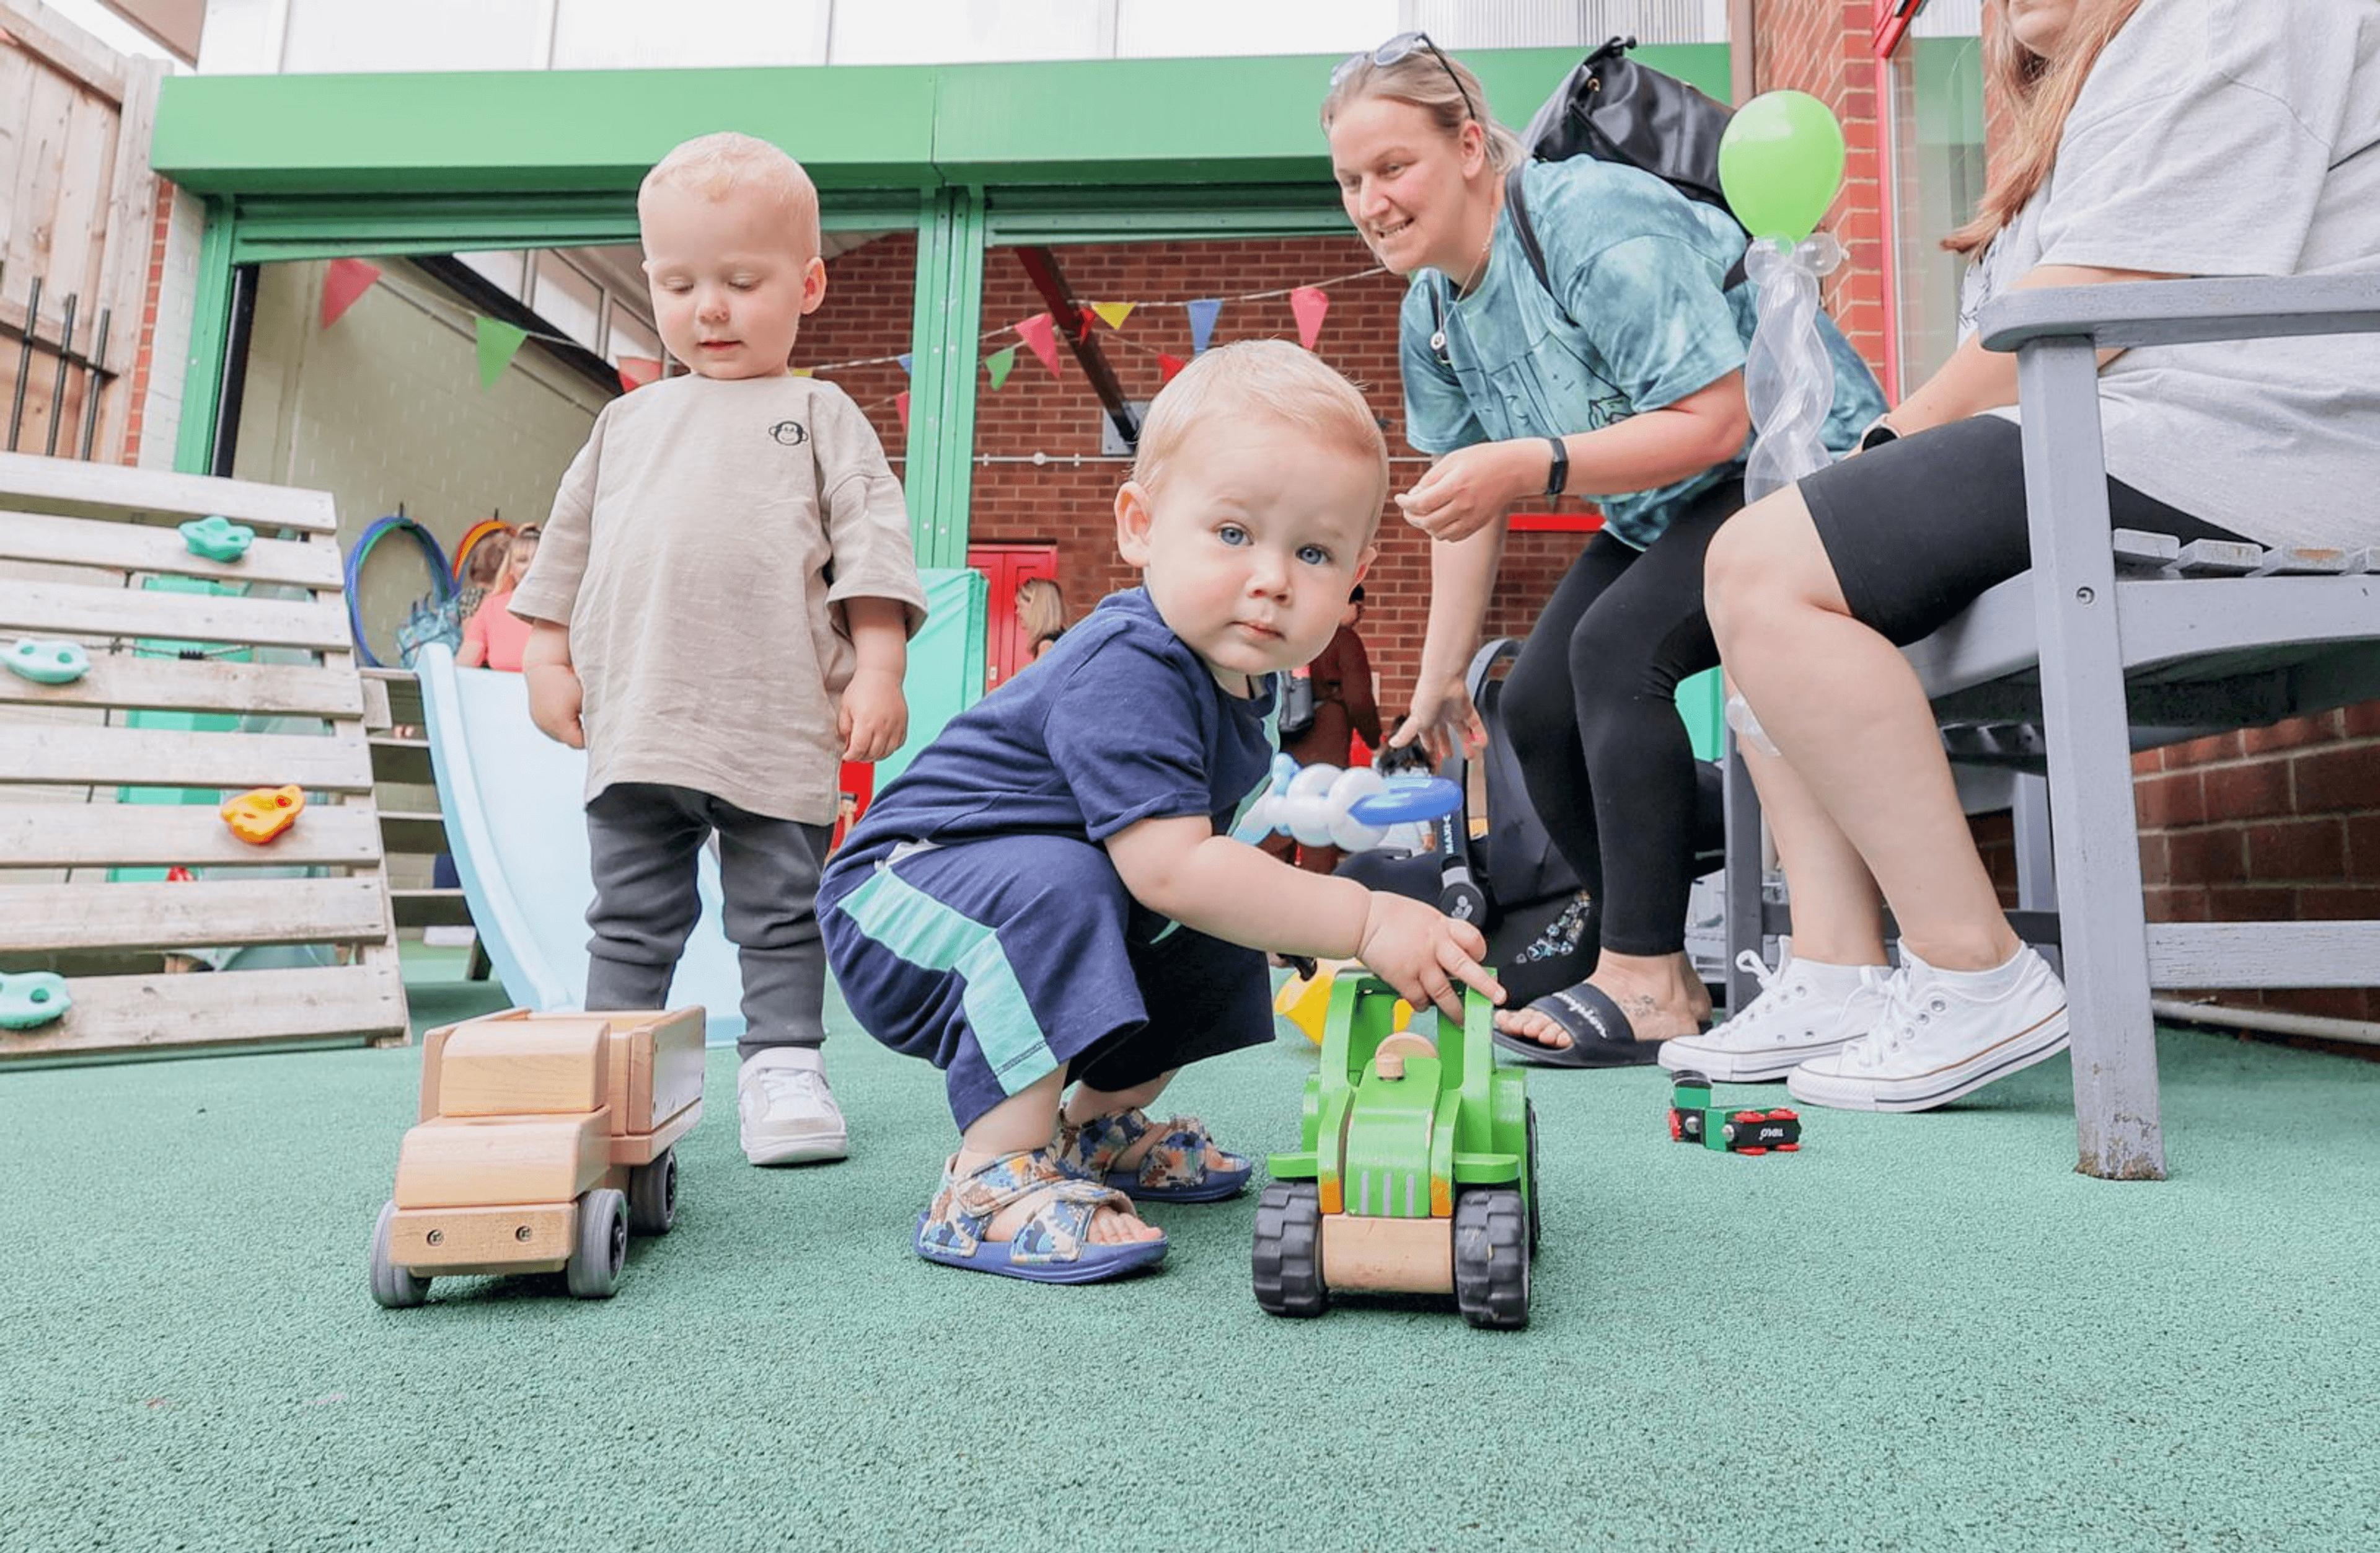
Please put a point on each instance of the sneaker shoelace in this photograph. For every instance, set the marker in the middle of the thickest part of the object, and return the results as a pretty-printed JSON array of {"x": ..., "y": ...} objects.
[
  {"x": 1775, "y": 990},
  {"x": 783, "y": 1084},
  {"x": 1906, "y": 1010}
]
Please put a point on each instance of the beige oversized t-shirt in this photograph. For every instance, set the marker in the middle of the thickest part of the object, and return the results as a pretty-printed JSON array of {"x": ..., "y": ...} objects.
[{"x": 700, "y": 547}]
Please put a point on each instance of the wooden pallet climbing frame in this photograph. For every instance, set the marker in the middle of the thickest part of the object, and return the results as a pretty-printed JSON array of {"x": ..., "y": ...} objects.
[{"x": 80, "y": 547}]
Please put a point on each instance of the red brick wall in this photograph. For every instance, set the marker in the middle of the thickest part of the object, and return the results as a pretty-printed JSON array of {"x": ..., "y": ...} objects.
[
  {"x": 1822, "y": 47},
  {"x": 1069, "y": 500}
]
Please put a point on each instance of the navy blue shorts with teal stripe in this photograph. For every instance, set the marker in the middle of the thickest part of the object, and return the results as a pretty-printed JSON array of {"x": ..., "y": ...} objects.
[{"x": 1004, "y": 959}]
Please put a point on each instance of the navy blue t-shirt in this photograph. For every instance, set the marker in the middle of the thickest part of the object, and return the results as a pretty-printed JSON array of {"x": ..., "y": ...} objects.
[{"x": 1119, "y": 722}]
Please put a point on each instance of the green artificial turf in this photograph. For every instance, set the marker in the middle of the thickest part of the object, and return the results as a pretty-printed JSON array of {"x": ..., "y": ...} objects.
[{"x": 1920, "y": 1333}]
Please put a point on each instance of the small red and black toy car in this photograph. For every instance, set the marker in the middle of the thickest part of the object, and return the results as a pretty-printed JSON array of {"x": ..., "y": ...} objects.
[{"x": 1729, "y": 1129}]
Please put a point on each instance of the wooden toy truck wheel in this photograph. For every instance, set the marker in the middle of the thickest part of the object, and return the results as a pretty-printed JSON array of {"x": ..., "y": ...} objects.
[
  {"x": 1491, "y": 1257},
  {"x": 652, "y": 1195},
  {"x": 394, "y": 1287},
  {"x": 1288, "y": 1259},
  {"x": 603, "y": 1244}
]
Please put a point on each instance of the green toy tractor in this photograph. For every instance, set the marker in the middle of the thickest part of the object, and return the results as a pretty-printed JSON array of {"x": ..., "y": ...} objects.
[{"x": 1417, "y": 1172}]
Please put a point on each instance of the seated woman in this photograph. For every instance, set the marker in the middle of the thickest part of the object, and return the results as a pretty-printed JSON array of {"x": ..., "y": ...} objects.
[
  {"x": 2173, "y": 137},
  {"x": 1620, "y": 377},
  {"x": 494, "y": 636}
]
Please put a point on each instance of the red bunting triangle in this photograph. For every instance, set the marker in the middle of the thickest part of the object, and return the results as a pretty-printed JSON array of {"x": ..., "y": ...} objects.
[
  {"x": 901, "y": 400},
  {"x": 1309, "y": 303},
  {"x": 343, "y": 281},
  {"x": 1042, "y": 334},
  {"x": 1168, "y": 365},
  {"x": 638, "y": 371}
]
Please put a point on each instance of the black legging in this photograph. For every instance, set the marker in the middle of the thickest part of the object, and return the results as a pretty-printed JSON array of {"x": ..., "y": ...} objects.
[{"x": 1591, "y": 708}]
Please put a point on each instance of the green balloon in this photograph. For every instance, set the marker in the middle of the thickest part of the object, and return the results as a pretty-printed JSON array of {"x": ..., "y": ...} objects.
[{"x": 1779, "y": 164}]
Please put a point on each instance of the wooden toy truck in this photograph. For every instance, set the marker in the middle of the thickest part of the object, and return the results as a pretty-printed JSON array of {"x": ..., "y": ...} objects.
[
  {"x": 1415, "y": 1173},
  {"x": 545, "y": 1141}
]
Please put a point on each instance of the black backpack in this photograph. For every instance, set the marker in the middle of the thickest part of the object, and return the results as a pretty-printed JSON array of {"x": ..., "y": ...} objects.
[{"x": 1615, "y": 110}]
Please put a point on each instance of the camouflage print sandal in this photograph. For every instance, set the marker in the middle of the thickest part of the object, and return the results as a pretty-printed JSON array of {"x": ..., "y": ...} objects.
[
  {"x": 1175, "y": 1169},
  {"x": 1053, "y": 1246}
]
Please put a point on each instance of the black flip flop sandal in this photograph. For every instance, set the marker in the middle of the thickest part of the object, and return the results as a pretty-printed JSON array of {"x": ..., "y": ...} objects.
[{"x": 1600, "y": 1035}]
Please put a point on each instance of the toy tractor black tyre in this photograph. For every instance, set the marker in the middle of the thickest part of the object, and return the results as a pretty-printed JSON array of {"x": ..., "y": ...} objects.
[
  {"x": 1536, "y": 1189},
  {"x": 1491, "y": 1257},
  {"x": 600, "y": 1249},
  {"x": 393, "y": 1287},
  {"x": 1288, "y": 1257},
  {"x": 652, "y": 1195}
]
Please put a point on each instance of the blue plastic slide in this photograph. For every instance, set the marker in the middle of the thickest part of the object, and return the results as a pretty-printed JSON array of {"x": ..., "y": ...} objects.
[{"x": 516, "y": 823}]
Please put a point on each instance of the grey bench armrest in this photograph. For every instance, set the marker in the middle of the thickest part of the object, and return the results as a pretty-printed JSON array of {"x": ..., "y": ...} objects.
[{"x": 2126, "y": 313}]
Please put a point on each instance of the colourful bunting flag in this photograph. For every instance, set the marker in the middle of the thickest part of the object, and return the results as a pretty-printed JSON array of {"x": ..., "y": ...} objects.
[
  {"x": 638, "y": 371},
  {"x": 1202, "y": 320},
  {"x": 1114, "y": 314},
  {"x": 906, "y": 358},
  {"x": 499, "y": 342},
  {"x": 1168, "y": 365},
  {"x": 1309, "y": 303},
  {"x": 343, "y": 281},
  {"x": 1090, "y": 321},
  {"x": 1042, "y": 334},
  {"x": 801, "y": 372},
  {"x": 901, "y": 400},
  {"x": 999, "y": 363}
]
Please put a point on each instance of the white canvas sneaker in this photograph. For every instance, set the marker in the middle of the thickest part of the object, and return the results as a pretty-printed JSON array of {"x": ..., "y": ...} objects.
[
  {"x": 787, "y": 1112},
  {"x": 1790, "y": 1023},
  {"x": 1936, "y": 1041}
]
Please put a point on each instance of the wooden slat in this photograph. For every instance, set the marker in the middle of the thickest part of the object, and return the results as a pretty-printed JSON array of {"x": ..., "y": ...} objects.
[
  {"x": 223, "y": 1009},
  {"x": 198, "y": 685},
  {"x": 32, "y": 536},
  {"x": 159, "y": 834},
  {"x": 170, "y": 757},
  {"x": 58, "y": 42},
  {"x": 199, "y": 915},
  {"x": 64, "y": 486},
  {"x": 44, "y": 608},
  {"x": 403, "y": 690},
  {"x": 430, "y": 908}
]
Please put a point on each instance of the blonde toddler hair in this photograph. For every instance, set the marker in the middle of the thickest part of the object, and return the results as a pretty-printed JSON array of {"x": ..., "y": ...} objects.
[
  {"x": 717, "y": 166},
  {"x": 1272, "y": 378}
]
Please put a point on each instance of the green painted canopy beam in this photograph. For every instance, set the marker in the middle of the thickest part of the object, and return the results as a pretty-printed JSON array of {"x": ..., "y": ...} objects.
[
  {"x": 969, "y": 156},
  {"x": 1106, "y": 123}
]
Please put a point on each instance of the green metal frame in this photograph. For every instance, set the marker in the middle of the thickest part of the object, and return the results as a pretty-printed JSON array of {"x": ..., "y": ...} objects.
[{"x": 300, "y": 167}]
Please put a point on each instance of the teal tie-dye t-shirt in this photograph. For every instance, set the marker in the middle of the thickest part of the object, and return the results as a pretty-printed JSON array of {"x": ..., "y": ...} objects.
[{"x": 1642, "y": 323}]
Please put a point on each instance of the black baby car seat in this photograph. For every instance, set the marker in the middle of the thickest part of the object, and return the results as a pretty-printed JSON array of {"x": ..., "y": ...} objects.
[{"x": 1541, "y": 927}]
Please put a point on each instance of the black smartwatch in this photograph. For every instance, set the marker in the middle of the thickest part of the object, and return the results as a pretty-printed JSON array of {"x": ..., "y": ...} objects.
[{"x": 1558, "y": 476}]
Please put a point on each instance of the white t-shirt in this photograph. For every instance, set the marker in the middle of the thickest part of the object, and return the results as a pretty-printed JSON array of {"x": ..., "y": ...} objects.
[{"x": 2229, "y": 138}]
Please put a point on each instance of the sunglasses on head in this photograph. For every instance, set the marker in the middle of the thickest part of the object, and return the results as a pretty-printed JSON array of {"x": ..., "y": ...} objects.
[{"x": 1403, "y": 47}]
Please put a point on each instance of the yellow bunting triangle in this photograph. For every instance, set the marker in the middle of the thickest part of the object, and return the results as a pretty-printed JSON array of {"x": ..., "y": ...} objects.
[{"x": 1112, "y": 314}]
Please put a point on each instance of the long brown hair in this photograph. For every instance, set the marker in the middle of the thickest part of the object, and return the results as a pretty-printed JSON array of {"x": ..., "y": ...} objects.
[{"x": 2040, "y": 92}]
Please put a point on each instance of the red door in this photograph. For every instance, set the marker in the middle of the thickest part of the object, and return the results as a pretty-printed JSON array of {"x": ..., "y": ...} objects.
[{"x": 1005, "y": 567}]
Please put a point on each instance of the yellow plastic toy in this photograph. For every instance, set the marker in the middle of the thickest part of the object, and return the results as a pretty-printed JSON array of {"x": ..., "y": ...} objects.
[
  {"x": 260, "y": 814},
  {"x": 1305, "y": 1000}
]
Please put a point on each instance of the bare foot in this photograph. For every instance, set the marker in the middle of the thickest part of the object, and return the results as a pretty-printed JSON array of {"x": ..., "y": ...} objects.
[{"x": 1662, "y": 997}]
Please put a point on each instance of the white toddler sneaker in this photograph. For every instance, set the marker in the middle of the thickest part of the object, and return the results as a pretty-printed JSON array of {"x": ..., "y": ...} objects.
[
  {"x": 788, "y": 1113},
  {"x": 1804, "y": 1009},
  {"x": 1943, "y": 1035}
]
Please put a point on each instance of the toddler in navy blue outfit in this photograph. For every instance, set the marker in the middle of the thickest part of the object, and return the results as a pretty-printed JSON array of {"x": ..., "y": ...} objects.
[{"x": 1051, "y": 895}]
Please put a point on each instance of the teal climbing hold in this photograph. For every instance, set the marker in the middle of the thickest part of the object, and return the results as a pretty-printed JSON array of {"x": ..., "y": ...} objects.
[
  {"x": 48, "y": 663},
  {"x": 217, "y": 538},
  {"x": 32, "y": 998}
]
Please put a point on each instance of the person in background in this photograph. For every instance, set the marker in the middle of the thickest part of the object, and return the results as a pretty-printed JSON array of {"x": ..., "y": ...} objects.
[
  {"x": 1040, "y": 613},
  {"x": 493, "y": 637},
  {"x": 1344, "y": 710}
]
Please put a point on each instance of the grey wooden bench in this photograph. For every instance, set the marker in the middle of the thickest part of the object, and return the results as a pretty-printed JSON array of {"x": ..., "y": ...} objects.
[{"x": 2106, "y": 648}]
